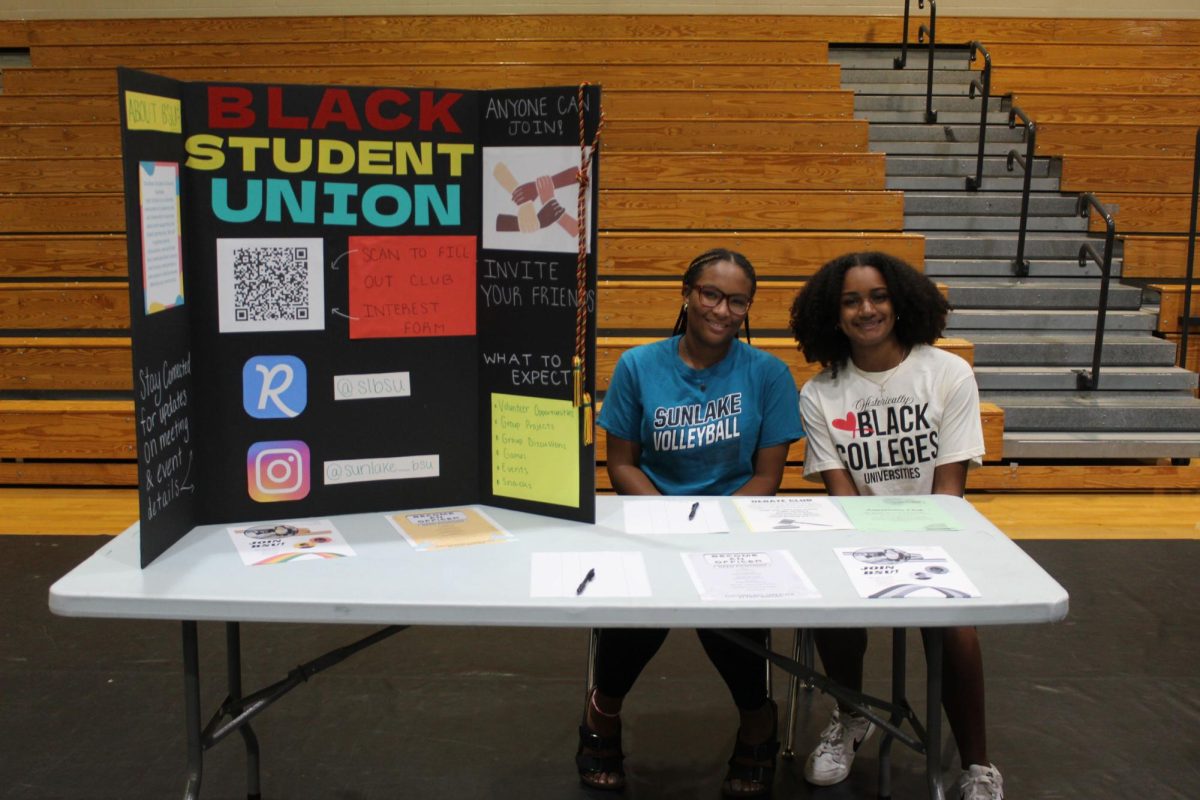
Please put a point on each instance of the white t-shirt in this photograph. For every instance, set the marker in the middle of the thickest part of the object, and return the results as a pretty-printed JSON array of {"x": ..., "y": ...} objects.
[{"x": 890, "y": 429}]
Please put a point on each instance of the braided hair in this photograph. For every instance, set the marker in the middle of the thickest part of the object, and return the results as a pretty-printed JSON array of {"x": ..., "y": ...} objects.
[{"x": 698, "y": 265}]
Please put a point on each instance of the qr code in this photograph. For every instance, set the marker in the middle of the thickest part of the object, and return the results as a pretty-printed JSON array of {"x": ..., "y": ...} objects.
[{"x": 270, "y": 283}]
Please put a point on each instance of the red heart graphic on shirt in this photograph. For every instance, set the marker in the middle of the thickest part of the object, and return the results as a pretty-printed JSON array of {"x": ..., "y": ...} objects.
[{"x": 847, "y": 424}]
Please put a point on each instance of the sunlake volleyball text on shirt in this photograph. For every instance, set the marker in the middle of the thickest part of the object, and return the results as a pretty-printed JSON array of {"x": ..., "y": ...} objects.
[{"x": 692, "y": 425}]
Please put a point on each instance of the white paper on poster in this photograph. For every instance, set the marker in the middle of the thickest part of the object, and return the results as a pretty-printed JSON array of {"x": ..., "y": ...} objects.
[
  {"x": 904, "y": 571},
  {"x": 768, "y": 514},
  {"x": 271, "y": 285},
  {"x": 162, "y": 251},
  {"x": 531, "y": 199},
  {"x": 614, "y": 574},
  {"x": 368, "y": 386},
  {"x": 361, "y": 470},
  {"x": 754, "y": 575}
]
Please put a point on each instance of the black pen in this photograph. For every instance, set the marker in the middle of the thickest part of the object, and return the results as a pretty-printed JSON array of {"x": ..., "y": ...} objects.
[
  {"x": 692, "y": 513},
  {"x": 586, "y": 580}
]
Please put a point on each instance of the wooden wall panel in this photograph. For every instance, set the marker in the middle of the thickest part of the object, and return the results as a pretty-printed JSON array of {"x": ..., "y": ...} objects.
[
  {"x": 733, "y": 210},
  {"x": 785, "y": 254},
  {"x": 71, "y": 364},
  {"x": 79, "y": 429},
  {"x": 1158, "y": 257},
  {"x": 40, "y": 255},
  {"x": 734, "y": 170},
  {"x": 1126, "y": 174},
  {"x": 64, "y": 306},
  {"x": 84, "y": 80},
  {"x": 62, "y": 213},
  {"x": 832, "y": 135},
  {"x": 452, "y": 50}
]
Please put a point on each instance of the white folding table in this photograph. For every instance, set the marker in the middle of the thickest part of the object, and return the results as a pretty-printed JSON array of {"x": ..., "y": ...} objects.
[{"x": 202, "y": 578}]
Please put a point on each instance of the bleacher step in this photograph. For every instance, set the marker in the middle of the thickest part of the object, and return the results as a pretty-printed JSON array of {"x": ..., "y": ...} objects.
[
  {"x": 945, "y": 57},
  {"x": 992, "y": 319},
  {"x": 904, "y": 102},
  {"x": 955, "y": 118},
  {"x": 1037, "y": 246},
  {"x": 1063, "y": 378},
  {"x": 1081, "y": 445},
  {"x": 1057, "y": 348},
  {"x": 927, "y": 223},
  {"x": 940, "y": 268},
  {"x": 1040, "y": 205},
  {"x": 941, "y": 147},
  {"x": 1025, "y": 293},
  {"x": 943, "y": 132},
  {"x": 1098, "y": 411},
  {"x": 906, "y": 165},
  {"x": 943, "y": 183},
  {"x": 942, "y": 73}
]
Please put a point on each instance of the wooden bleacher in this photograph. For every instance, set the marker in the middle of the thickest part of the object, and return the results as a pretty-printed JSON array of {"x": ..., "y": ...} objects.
[{"x": 759, "y": 152}]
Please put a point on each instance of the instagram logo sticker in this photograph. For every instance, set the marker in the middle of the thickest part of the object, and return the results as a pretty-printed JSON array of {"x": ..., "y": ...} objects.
[{"x": 277, "y": 471}]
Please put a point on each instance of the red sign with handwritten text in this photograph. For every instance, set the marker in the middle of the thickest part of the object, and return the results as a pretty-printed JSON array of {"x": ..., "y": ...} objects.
[{"x": 412, "y": 286}]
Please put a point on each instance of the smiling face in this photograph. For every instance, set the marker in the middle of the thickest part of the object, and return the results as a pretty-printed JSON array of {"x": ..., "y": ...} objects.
[
  {"x": 866, "y": 315},
  {"x": 717, "y": 326}
]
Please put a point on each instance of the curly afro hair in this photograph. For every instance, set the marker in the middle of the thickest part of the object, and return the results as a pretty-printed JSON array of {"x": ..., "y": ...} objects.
[{"x": 920, "y": 308}]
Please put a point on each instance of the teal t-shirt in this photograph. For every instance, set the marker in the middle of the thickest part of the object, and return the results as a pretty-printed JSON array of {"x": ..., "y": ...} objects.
[{"x": 699, "y": 428}]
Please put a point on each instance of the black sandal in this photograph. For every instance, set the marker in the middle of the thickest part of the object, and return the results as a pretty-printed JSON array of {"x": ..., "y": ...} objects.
[
  {"x": 761, "y": 769},
  {"x": 604, "y": 757}
]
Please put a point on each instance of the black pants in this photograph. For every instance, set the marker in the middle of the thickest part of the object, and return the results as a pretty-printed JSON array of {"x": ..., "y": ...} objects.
[{"x": 622, "y": 654}]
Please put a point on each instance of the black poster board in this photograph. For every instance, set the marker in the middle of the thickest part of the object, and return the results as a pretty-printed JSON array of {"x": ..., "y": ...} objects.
[{"x": 350, "y": 299}]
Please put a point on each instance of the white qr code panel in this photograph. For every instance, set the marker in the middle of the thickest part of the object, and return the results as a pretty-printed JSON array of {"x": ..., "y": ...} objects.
[{"x": 271, "y": 285}]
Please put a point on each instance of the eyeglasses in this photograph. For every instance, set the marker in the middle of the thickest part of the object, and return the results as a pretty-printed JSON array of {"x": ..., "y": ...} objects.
[{"x": 711, "y": 297}]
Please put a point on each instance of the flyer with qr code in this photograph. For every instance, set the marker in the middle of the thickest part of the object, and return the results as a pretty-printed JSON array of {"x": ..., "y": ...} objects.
[{"x": 389, "y": 303}]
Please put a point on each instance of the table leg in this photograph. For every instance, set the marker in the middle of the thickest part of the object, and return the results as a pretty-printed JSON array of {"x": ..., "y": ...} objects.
[
  {"x": 233, "y": 660},
  {"x": 899, "y": 700},
  {"x": 191, "y": 702},
  {"x": 793, "y": 697},
  {"x": 590, "y": 679},
  {"x": 933, "y": 713}
]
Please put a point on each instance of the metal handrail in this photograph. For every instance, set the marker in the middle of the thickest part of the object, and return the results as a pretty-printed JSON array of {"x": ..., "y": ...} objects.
[
  {"x": 1020, "y": 264},
  {"x": 902, "y": 59},
  {"x": 985, "y": 90},
  {"x": 931, "y": 30},
  {"x": 1186, "y": 321},
  {"x": 1085, "y": 380}
]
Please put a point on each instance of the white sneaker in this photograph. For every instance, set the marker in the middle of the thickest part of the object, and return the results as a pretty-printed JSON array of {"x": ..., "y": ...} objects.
[
  {"x": 830, "y": 762},
  {"x": 981, "y": 783}
]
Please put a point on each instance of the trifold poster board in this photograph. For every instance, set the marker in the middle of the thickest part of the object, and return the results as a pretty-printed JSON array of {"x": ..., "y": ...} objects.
[{"x": 350, "y": 299}]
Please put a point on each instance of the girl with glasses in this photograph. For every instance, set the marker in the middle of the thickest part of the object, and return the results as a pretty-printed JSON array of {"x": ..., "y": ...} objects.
[{"x": 700, "y": 413}]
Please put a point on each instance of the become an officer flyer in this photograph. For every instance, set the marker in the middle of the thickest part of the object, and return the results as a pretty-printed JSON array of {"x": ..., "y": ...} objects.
[{"x": 436, "y": 529}]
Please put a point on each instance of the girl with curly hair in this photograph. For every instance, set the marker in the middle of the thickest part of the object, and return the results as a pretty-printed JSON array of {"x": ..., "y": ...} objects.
[{"x": 889, "y": 415}]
